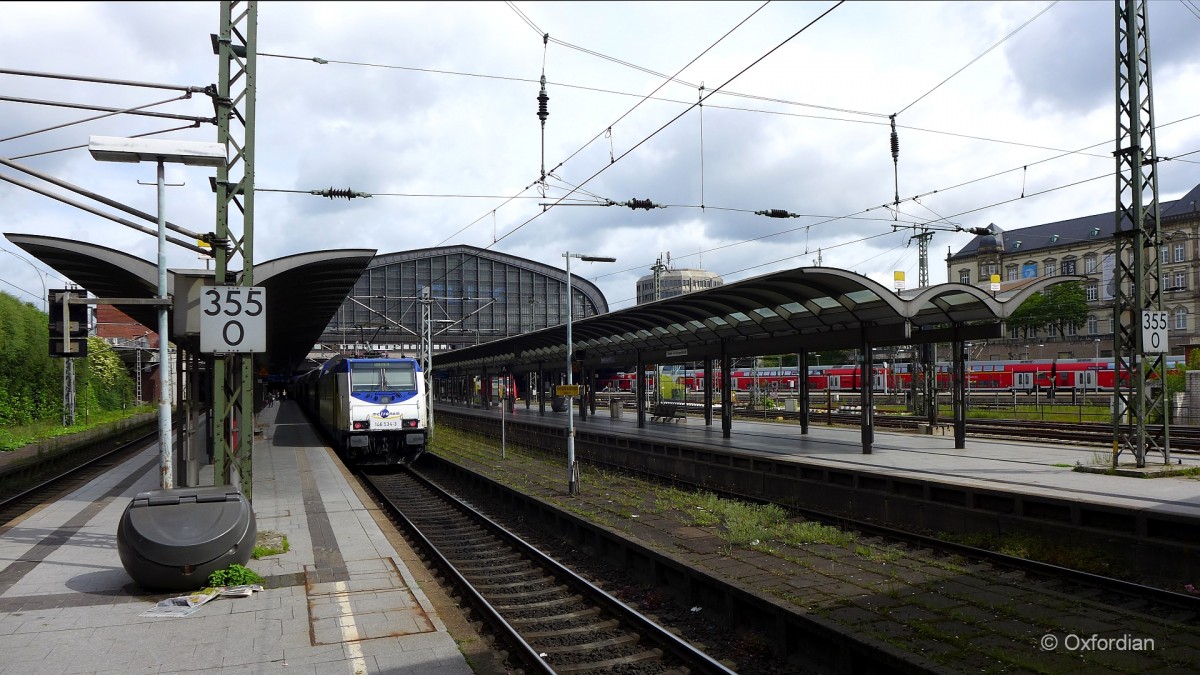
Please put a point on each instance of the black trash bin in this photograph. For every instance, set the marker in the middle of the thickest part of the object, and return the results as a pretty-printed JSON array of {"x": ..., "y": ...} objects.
[{"x": 172, "y": 540}]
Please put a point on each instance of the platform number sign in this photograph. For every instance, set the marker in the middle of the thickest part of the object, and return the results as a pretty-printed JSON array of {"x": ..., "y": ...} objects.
[
  {"x": 233, "y": 320},
  {"x": 1154, "y": 332}
]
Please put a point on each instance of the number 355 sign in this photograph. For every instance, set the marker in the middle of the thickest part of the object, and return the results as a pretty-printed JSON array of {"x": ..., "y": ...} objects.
[{"x": 233, "y": 320}]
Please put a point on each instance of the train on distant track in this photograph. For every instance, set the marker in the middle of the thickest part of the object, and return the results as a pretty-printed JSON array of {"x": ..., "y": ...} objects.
[
  {"x": 372, "y": 409},
  {"x": 1024, "y": 376}
]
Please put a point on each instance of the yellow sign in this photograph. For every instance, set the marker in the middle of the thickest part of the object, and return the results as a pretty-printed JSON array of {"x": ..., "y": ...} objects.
[{"x": 566, "y": 390}]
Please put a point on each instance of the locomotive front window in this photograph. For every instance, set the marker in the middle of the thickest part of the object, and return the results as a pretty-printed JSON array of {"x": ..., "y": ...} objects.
[{"x": 366, "y": 377}]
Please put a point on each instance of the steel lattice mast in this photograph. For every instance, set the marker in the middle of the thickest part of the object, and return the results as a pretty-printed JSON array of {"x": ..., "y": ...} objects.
[
  {"x": 1139, "y": 400},
  {"x": 233, "y": 376}
]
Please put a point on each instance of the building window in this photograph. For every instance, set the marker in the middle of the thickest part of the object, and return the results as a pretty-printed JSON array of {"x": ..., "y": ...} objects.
[
  {"x": 1050, "y": 268},
  {"x": 1089, "y": 264},
  {"x": 1179, "y": 252},
  {"x": 1051, "y": 330},
  {"x": 964, "y": 276},
  {"x": 1010, "y": 273},
  {"x": 1181, "y": 319},
  {"x": 1164, "y": 254},
  {"x": 1068, "y": 267},
  {"x": 1014, "y": 332},
  {"x": 1093, "y": 325},
  {"x": 1179, "y": 280},
  {"x": 1093, "y": 292},
  {"x": 1072, "y": 330},
  {"x": 986, "y": 270}
]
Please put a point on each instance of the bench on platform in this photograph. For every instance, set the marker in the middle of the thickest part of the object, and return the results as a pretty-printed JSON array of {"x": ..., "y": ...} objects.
[{"x": 667, "y": 412}]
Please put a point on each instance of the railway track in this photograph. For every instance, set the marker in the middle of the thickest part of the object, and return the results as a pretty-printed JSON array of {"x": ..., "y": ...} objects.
[
  {"x": 34, "y": 483},
  {"x": 552, "y": 620}
]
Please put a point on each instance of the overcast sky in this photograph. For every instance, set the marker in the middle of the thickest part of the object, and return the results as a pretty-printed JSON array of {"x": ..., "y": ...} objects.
[{"x": 799, "y": 123}]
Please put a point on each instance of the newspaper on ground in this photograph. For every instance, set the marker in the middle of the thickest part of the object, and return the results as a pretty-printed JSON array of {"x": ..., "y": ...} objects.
[
  {"x": 243, "y": 591},
  {"x": 187, "y": 605},
  {"x": 181, "y": 606}
]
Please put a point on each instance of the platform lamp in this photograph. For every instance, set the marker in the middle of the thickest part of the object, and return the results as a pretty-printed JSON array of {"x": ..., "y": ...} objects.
[
  {"x": 161, "y": 151},
  {"x": 572, "y": 478}
]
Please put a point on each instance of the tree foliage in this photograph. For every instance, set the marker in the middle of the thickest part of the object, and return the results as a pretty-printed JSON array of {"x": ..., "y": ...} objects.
[
  {"x": 31, "y": 380},
  {"x": 1062, "y": 306}
]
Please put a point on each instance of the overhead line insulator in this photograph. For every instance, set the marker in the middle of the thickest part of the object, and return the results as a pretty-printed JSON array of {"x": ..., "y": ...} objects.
[
  {"x": 638, "y": 204},
  {"x": 776, "y": 213},
  {"x": 543, "y": 103},
  {"x": 335, "y": 193}
]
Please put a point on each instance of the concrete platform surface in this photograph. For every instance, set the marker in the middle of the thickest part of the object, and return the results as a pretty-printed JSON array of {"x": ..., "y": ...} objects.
[{"x": 339, "y": 601}]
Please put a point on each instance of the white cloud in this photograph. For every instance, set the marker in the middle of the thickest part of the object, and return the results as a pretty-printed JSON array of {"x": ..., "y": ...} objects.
[{"x": 399, "y": 130}]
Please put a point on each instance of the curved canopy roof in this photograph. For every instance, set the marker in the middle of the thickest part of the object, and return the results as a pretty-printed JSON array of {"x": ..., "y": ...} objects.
[
  {"x": 810, "y": 308},
  {"x": 303, "y": 291}
]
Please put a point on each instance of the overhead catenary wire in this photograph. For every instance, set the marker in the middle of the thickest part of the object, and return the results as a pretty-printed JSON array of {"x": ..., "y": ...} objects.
[
  {"x": 684, "y": 112},
  {"x": 980, "y": 56}
]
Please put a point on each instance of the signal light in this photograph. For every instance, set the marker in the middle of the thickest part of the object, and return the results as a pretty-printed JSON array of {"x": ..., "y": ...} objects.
[{"x": 69, "y": 328}]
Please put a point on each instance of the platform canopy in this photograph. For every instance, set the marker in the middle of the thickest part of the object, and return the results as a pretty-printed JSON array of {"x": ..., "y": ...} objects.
[
  {"x": 303, "y": 291},
  {"x": 806, "y": 308}
]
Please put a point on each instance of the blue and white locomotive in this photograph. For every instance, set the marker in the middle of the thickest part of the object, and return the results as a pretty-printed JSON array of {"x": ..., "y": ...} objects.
[{"x": 372, "y": 409}]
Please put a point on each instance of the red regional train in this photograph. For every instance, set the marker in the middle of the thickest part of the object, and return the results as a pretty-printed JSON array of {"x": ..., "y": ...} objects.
[{"x": 1021, "y": 376}]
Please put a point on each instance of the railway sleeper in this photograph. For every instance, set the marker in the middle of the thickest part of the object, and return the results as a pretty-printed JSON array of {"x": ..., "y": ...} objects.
[
  {"x": 625, "y": 639},
  {"x": 573, "y": 599},
  {"x": 648, "y": 655},
  {"x": 589, "y": 628}
]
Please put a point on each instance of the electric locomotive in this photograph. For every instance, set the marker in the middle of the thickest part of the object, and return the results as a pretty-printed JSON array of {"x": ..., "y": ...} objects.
[{"x": 372, "y": 409}]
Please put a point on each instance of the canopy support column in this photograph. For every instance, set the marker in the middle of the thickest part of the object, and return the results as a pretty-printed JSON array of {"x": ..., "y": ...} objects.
[
  {"x": 639, "y": 386},
  {"x": 959, "y": 382},
  {"x": 726, "y": 393},
  {"x": 867, "y": 397},
  {"x": 708, "y": 391},
  {"x": 802, "y": 388}
]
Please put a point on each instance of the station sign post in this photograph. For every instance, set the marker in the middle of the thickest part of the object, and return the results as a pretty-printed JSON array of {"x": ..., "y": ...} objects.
[{"x": 233, "y": 320}]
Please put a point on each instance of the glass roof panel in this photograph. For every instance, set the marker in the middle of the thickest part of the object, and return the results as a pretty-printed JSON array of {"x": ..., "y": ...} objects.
[
  {"x": 864, "y": 295},
  {"x": 826, "y": 302}
]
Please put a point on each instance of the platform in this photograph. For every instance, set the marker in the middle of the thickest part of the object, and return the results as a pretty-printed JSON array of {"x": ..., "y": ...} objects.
[
  {"x": 1035, "y": 468},
  {"x": 916, "y": 482},
  {"x": 339, "y": 601}
]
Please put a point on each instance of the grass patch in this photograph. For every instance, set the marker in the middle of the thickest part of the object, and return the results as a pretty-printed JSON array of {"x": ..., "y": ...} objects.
[
  {"x": 1031, "y": 547},
  {"x": 17, "y": 437},
  {"x": 269, "y": 542}
]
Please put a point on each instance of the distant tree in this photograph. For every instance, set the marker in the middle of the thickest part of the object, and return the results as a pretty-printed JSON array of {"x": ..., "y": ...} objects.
[
  {"x": 1061, "y": 305},
  {"x": 1031, "y": 314},
  {"x": 1065, "y": 306}
]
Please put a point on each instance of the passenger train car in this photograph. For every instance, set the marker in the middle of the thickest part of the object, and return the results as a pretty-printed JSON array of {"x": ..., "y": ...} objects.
[
  {"x": 1024, "y": 376},
  {"x": 372, "y": 409}
]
